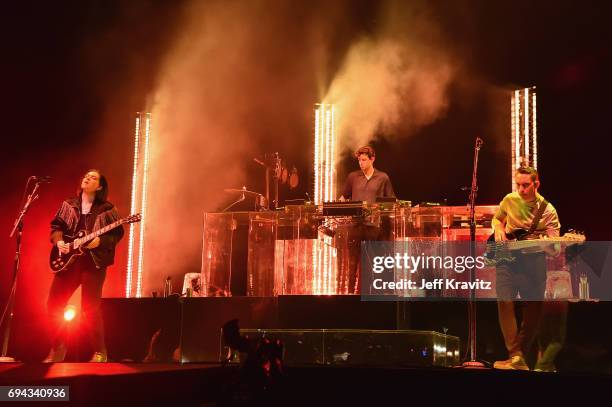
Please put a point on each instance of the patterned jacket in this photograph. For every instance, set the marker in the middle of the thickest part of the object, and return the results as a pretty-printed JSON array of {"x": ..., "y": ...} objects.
[{"x": 66, "y": 222}]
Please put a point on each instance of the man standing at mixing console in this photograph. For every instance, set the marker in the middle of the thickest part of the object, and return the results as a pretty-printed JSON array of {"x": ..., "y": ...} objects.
[
  {"x": 368, "y": 183},
  {"x": 365, "y": 184}
]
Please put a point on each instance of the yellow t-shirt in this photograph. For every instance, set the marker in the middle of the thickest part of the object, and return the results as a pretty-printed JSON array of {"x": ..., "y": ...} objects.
[{"x": 519, "y": 214}]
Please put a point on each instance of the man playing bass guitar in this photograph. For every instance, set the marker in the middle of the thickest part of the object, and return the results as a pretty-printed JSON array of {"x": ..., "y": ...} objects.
[{"x": 525, "y": 210}]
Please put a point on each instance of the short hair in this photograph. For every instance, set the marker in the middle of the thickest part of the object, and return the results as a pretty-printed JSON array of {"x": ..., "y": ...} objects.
[
  {"x": 367, "y": 150},
  {"x": 101, "y": 194},
  {"x": 529, "y": 171}
]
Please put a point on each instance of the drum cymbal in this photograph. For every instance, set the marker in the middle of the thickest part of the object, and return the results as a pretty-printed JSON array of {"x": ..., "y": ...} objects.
[{"x": 240, "y": 191}]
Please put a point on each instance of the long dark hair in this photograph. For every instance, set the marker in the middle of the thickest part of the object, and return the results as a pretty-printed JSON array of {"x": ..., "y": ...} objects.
[{"x": 102, "y": 193}]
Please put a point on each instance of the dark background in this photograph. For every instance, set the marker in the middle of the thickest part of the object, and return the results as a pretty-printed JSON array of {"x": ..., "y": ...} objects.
[{"x": 71, "y": 70}]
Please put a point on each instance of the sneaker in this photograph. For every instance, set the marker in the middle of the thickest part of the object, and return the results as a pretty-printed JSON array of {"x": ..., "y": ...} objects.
[
  {"x": 57, "y": 354},
  {"x": 546, "y": 358},
  {"x": 516, "y": 362},
  {"x": 99, "y": 357},
  {"x": 545, "y": 367}
]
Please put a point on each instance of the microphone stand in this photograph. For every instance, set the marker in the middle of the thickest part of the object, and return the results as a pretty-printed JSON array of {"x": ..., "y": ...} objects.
[
  {"x": 272, "y": 165},
  {"x": 242, "y": 198},
  {"x": 18, "y": 231},
  {"x": 473, "y": 361}
]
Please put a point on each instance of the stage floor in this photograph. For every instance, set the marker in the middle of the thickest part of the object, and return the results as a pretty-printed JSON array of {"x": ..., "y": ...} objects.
[
  {"x": 119, "y": 383},
  {"x": 213, "y": 384},
  {"x": 28, "y": 373}
]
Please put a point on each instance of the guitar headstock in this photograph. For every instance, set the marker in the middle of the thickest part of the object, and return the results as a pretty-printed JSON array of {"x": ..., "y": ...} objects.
[
  {"x": 133, "y": 218},
  {"x": 575, "y": 236}
]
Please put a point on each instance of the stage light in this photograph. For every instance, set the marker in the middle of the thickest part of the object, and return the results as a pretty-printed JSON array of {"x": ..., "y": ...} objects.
[
  {"x": 534, "y": 129},
  {"x": 138, "y": 204},
  {"x": 130, "y": 262},
  {"x": 69, "y": 313},
  {"x": 524, "y": 130},
  {"x": 143, "y": 207},
  {"x": 324, "y": 153},
  {"x": 324, "y": 191}
]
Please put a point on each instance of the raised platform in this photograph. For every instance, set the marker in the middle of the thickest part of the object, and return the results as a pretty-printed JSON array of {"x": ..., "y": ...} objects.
[{"x": 193, "y": 326}]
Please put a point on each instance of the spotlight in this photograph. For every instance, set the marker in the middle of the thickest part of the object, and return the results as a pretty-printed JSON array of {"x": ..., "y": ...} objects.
[{"x": 69, "y": 313}]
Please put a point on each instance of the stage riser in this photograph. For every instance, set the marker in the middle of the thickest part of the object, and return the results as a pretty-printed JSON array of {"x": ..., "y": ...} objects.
[{"x": 195, "y": 324}]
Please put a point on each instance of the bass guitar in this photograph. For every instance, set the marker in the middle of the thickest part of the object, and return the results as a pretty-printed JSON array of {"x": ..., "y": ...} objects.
[{"x": 520, "y": 240}]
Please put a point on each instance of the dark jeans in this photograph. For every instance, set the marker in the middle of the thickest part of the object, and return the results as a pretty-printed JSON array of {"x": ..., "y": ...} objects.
[
  {"x": 84, "y": 273},
  {"x": 525, "y": 276}
]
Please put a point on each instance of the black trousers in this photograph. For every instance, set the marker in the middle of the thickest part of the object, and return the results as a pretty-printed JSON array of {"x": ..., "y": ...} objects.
[
  {"x": 525, "y": 277},
  {"x": 91, "y": 279},
  {"x": 348, "y": 242}
]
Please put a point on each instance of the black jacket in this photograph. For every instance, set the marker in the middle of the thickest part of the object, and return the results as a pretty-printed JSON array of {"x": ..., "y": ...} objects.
[{"x": 67, "y": 219}]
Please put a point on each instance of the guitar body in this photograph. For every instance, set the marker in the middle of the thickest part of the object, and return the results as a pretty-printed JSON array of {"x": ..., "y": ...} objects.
[
  {"x": 61, "y": 261},
  {"x": 497, "y": 253}
]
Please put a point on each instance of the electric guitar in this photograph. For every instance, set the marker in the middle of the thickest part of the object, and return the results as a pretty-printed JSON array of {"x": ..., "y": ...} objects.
[
  {"x": 502, "y": 252},
  {"x": 61, "y": 261}
]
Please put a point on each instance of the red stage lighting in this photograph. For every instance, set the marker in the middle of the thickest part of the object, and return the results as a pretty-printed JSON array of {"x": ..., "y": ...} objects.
[{"x": 69, "y": 313}]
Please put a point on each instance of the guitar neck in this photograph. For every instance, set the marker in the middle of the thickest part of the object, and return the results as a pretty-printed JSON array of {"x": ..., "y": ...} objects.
[
  {"x": 98, "y": 232},
  {"x": 521, "y": 244}
]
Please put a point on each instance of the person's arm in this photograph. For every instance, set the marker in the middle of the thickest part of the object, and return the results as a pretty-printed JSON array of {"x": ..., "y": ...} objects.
[
  {"x": 347, "y": 190},
  {"x": 499, "y": 223},
  {"x": 388, "y": 189},
  {"x": 111, "y": 238},
  {"x": 58, "y": 226},
  {"x": 551, "y": 220},
  {"x": 57, "y": 229},
  {"x": 553, "y": 227}
]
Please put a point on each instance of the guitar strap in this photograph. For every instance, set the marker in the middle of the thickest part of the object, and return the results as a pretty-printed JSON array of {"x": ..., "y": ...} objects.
[{"x": 537, "y": 217}]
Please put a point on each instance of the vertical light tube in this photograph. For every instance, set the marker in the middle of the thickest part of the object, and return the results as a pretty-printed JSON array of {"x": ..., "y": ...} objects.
[
  {"x": 143, "y": 206},
  {"x": 317, "y": 157},
  {"x": 133, "y": 204},
  {"x": 517, "y": 148},
  {"x": 524, "y": 129},
  {"x": 325, "y": 150},
  {"x": 512, "y": 139},
  {"x": 324, "y": 191},
  {"x": 534, "y": 131},
  {"x": 328, "y": 157},
  {"x": 516, "y": 152},
  {"x": 527, "y": 123},
  {"x": 332, "y": 180}
]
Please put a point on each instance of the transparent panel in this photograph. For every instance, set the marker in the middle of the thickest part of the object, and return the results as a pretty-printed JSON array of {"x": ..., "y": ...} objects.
[
  {"x": 217, "y": 254},
  {"x": 261, "y": 258}
]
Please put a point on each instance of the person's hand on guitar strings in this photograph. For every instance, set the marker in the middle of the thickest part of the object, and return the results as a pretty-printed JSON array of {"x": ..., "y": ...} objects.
[
  {"x": 63, "y": 247},
  {"x": 500, "y": 234}
]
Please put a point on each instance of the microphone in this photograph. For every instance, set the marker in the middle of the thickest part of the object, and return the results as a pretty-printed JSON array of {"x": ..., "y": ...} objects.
[{"x": 41, "y": 179}]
